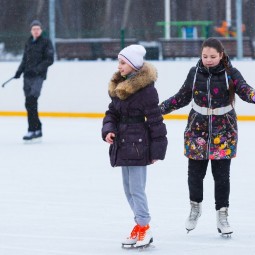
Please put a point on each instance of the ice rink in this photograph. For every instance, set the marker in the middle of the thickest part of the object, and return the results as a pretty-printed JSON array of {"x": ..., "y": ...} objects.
[{"x": 61, "y": 197}]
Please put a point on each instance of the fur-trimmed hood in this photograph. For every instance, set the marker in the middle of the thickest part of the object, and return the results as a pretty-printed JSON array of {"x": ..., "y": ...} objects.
[{"x": 121, "y": 88}]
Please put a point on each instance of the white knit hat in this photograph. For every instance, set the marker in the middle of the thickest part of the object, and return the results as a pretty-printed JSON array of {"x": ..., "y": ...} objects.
[{"x": 133, "y": 55}]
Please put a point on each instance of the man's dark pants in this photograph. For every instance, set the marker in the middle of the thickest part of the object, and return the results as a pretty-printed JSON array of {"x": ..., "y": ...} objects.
[{"x": 32, "y": 89}]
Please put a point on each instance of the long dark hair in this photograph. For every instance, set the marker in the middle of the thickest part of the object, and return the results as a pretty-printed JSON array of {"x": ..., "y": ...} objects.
[{"x": 218, "y": 46}]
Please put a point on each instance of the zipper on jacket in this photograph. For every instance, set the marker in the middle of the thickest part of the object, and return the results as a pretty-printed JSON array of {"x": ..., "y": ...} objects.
[
  {"x": 210, "y": 116},
  {"x": 134, "y": 145}
]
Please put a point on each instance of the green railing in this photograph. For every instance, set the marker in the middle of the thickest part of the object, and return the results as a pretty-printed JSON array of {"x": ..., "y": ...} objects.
[{"x": 204, "y": 24}]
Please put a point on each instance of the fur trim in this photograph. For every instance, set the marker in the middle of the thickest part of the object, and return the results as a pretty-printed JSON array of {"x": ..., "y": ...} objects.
[{"x": 121, "y": 88}]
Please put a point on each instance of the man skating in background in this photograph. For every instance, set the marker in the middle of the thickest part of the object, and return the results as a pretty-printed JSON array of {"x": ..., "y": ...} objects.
[{"x": 38, "y": 56}]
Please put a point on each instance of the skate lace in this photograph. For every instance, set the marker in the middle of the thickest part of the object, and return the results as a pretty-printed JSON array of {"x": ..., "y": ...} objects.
[
  {"x": 142, "y": 232},
  {"x": 134, "y": 232},
  {"x": 194, "y": 212},
  {"x": 223, "y": 218}
]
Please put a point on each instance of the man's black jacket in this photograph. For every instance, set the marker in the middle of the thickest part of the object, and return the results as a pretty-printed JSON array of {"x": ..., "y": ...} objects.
[{"x": 38, "y": 56}]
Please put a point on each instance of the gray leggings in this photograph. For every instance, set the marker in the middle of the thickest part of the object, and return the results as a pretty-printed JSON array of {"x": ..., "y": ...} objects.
[{"x": 134, "y": 182}]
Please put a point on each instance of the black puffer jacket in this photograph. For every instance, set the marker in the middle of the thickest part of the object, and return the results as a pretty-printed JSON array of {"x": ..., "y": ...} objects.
[
  {"x": 133, "y": 100},
  {"x": 38, "y": 56}
]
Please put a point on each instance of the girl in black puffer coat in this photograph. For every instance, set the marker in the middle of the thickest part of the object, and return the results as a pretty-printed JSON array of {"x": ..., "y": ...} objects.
[
  {"x": 211, "y": 132},
  {"x": 134, "y": 128}
]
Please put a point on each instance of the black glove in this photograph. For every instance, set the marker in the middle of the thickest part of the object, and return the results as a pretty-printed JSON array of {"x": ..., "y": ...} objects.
[{"x": 17, "y": 75}]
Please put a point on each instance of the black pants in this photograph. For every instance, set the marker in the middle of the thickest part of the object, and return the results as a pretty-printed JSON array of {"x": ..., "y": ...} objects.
[
  {"x": 220, "y": 170},
  {"x": 32, "y": 90},
  {"x": 32, "y": 114}
]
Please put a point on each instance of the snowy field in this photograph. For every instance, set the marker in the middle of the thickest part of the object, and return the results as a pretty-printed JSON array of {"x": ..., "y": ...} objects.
[{"x": 61, "y": 197}]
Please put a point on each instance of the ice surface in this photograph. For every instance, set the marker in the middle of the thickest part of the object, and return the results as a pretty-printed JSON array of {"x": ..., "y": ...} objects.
[{"x": 61, "y": 197}]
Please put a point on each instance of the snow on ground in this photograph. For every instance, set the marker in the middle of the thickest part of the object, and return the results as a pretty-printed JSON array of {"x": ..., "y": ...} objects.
[{"x": 61, "y": 197}]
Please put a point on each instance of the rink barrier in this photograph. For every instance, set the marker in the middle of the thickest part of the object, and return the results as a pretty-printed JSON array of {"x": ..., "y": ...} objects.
[
  {"x": 101, "y": 115},
  {"x": 56, "y": 114}
]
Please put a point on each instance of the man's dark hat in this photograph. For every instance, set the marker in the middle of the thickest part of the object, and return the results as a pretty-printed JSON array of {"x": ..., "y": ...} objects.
[{"x": 36, "y": 23}]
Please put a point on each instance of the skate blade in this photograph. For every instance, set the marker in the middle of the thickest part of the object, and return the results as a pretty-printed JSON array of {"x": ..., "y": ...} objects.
[
  {"x": 188, "y": 230},
  {"x": 128, "y": 246},
  {"x": 146, "y": 246},
  {"x": 225, "y": 235},
  {"x": 33, "y": 141},
  {"x": 139, "y": 248}
]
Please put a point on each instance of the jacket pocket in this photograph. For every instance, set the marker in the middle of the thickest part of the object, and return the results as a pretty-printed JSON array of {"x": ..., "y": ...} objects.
[
  {"x": 190, "y": 122},
  {"x": 132, "y": 149},
  {"x": 232, "y": 122}
]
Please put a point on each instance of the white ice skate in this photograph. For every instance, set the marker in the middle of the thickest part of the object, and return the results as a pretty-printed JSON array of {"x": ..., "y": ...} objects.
[
  {"x": 222, "y": 222},
  {"x": 195, "y": 213},
  {"x": 132, "y": 239},
  {"x": 33, "y": 136},
  {"x": 144, "y": 237},
  {"x": 29, "y": 135},
  {"x": 140, "y": 238}
]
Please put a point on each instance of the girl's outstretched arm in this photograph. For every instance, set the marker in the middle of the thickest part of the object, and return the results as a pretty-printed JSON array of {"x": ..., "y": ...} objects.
[{"x": 182, "y": 98}]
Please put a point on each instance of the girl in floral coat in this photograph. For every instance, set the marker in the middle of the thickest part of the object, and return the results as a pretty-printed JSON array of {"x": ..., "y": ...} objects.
[
  {"x": 134, "y": 128},
  {"x": 211, "y": 132}
]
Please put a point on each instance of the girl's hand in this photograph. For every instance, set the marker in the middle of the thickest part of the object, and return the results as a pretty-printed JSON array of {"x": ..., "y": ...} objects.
[
  {"x": 154, "y": 161},
  {"x": 109, "y": 138},
  {"x": 253, "y": 98}
]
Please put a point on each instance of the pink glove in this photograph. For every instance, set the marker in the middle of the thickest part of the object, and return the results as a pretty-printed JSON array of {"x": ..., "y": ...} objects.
[{"x": 253, "y": 98}]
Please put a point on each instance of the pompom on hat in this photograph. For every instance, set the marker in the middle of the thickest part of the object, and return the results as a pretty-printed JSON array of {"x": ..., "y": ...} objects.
[{"x": 133, "y": 55}]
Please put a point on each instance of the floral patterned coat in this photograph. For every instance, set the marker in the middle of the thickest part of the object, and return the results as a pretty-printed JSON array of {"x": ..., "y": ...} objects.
[{"x": 209, "y": 136}]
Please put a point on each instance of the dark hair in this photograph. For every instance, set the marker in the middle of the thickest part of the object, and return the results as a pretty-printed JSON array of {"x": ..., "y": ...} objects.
[{"x": 218, "y": 46}]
